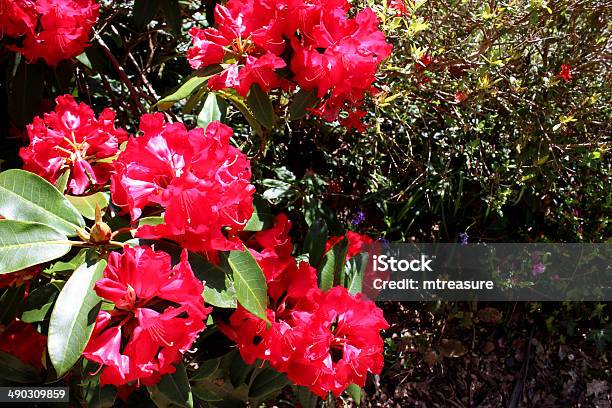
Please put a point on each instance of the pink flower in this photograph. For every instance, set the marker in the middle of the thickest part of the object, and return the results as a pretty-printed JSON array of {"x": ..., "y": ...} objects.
[
  {"x": 196, "y": 177},
  {"x": 72, "y": 138},
  {"x": 53, "y": 29},
  {"x": 158, "y": 313}
]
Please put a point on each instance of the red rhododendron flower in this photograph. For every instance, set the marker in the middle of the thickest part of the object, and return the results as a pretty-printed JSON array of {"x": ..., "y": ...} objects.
[
  {"x": 337, "y": 55},
  {"x": 250, "y": 33},
  {"x": 158, "y": 313},
  {"x": 333, "y": 53},
  {"x": 17, "y": 17},
  {"x": 53, "y": 29},
  {"x": 197, "y": 177},
  {"x": 291, "y": 288},
  {"x": 71, "y": 138},
  {"x": 341, "y": 343},
  {"x": 566, "y": 72},
  {"x": 356, "y": 243},
  {"x": 20, "y": 277},
  {"x": 24, "y": 342}
]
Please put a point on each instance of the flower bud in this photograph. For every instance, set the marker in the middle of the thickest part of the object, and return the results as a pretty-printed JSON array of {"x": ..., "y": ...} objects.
[{"x": 100, "y": 233}]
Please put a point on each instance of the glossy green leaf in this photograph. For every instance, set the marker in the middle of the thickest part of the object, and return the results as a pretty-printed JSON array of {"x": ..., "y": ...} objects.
[
  {"x": 261, "y": 106},
  {"x": 239, "y": 103},
  {"x": 250, "y": 282},
  {"x": 267, "y": 382},
  {"x": 73, "y": 317},
  {"x": 211, "y": 111},
  {"x": 86, "y": 205},
  {"x": 173, "y": 390},
  {"x": 206, "y": 369},
  {"x": 262, "y": 217},
  {"x": 14, "y": 370},
  {"x": 191, "y": 84},
  {"x": 301, "y": 102},
  {"x": 331, "y": 272},
  {"x": 38, "y": 304},
  {"x": 315, "y": 241},
  {"x": 24, "y": 196},
  {"x": 24, "y": 244},
  {"x": 62, "y": 182}
]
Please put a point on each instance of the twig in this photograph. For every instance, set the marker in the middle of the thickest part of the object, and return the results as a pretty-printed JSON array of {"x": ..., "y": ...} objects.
[{"x": 122, "y": 75}]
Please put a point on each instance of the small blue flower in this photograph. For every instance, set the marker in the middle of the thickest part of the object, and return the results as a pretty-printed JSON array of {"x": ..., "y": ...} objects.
[
  {"x": 464, "y": 238},
  {"x": 358, "y": 218}
]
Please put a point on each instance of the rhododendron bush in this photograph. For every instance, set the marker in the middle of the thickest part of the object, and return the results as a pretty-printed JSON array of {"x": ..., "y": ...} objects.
[
  {"x": 139, "y": 257},
  {"x": 189, "y": 189}
]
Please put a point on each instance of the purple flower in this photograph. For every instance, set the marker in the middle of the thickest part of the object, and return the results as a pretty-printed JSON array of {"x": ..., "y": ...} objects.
[
  {"x": 358, "y": 218},
  {"x": 463, "y": 237},
  {"x": 538, "y": 269}
]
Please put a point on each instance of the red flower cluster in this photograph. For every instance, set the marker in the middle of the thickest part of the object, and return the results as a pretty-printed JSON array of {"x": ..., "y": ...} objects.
[
  {"x": 322, "y": 46},
  {"x": 51, "y": 29},
  {"x": 158, "y": 313},
  {"x": 565, "y": 73},
  {"x": 71, "y": 138},
  {"x": 24, "y": 342},
  {"x": 324, "y": 341},
  {"x": 199, "y": 180},
  {"x": 356, "y": 243}
]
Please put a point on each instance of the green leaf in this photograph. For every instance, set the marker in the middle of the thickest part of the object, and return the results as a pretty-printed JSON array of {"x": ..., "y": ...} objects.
[
  {"x": 262, "y": 217},
  {"x": 210, "y": 111},
  {"x": 355, "y": 392},
  {"x": 38, "y": 304},
  {"x": 14, "y": 370},
  {"x": 24, "y": 196},
  {"x": 226, "y": 298},
  {"x": 238, "y": 102},
  {"x": 62, "y": 182},
  {"x": 301, "y": 102},
  {"x": 192, "y": 84},
  {"x": 359, "y": 264},
  {"x": 250, "y": 283},
  {"x": 206, "y": 369},
  {"x": 144, "y": 11},
  {"x": 261, "y": 106},
  {"x": 173, "y": 390},
  {"x": 305, "y": 397},
  {"x": 86, "y": 205},
  {"x": 267, "y": 382},
  {"x": 25, "y": 244},
  {"x": 315, "y": 241},
  {"x": 331, "y": 271},
  {"x": 73, "y": 317}
]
